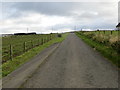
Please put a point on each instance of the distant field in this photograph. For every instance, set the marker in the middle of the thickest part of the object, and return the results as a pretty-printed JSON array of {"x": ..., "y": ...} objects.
[
  {"x": 16, "y": 45},
  {"x": 106, "y": 42}
]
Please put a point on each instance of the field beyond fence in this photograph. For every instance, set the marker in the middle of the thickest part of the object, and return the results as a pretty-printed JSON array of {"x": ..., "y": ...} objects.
[{"x": 16, "y": 45}]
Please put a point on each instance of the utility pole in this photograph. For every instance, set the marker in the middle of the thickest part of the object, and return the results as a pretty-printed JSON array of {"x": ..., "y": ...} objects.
[
  {"x": 52, "y": 29},
  {"x": 81, "y": 29},
  {"x": 75, "y": 28},
  {"x": 27, "y": 30}
]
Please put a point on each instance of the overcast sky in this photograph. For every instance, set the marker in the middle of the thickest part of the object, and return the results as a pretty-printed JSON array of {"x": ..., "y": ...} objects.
[{"x": 46, "y": 17}]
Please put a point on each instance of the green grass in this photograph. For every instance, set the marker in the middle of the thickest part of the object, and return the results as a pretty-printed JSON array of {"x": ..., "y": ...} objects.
[
  {"x": 106, "y": 51},
  {"x": 102, "y": 36},
  {"x": 22, "y": 43},
  {"x": 12, "y": 65},
  {"x": 15, "y": 39}
]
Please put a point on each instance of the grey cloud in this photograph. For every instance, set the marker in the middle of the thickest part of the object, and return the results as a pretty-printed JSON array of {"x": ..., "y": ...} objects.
[
  {"x": 86, "y": 18},
  {"x": 44, "y": 8},
  {"x": 57, "y": 8}
]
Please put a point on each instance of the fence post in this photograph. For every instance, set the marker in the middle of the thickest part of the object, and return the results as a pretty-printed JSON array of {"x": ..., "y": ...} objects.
[
  {"x": 24, "y": 46},
  {"x": 42, "y": 41},
  {"x": 38, "y": 42},
  {"x": 31, "y": 44},
  {"x": 11, "y": 56},
  {"x": 50, "y": 36},
  {"x": 53, "y": 36},
  {"x": 47, "y": 38},
  {"x": 104, "y": 31},
  {"x": 111, "y": 32}
]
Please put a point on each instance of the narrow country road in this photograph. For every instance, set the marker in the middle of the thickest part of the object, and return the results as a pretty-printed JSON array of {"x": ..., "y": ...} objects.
[{"x": 74, "y": 65}]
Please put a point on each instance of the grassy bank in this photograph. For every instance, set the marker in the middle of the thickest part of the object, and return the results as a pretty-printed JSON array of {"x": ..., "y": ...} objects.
[
  {"x": 12, "y": 65},
  {"x": 107, "y": 51}
]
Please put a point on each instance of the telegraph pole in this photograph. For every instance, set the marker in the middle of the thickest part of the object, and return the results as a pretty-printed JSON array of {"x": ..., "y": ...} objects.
[
  {"x": 27, "y": 30},
  {"x": 52, "y": 29},
  {"x": 75, "y": 28}
]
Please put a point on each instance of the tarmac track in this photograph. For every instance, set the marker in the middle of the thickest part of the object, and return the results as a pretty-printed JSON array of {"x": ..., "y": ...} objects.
[{"x": 74, "y": 65}]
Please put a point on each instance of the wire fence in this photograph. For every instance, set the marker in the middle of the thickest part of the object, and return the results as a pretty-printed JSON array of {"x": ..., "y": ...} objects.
[
  {"x": 11, "y": 51},
  {"x": 108, "y": 38}
]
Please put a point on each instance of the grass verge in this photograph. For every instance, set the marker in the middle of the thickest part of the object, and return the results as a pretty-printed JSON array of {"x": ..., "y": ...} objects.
[
  {"x": 106, "y": 51},
  {"x": 10, "y": 66}
]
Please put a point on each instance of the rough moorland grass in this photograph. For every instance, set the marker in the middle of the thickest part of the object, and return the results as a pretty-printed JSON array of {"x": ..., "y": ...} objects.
[
  {"x": 108, "y": 37},
  {"x": 106, "y": 51},
  {"x": 10, "y": 66}
]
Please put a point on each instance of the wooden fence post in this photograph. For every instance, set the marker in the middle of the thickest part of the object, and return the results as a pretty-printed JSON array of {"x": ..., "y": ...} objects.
[
  {"x": 24, "y": 46},
  {"x": 38, "y": 42},
  {"x": 104, "y": 31},
  {"x": 50, "y": 36},
  {"x": 53, "y": 36},
  {"x": 111, "y": 32},
  {"x": 11, "y": 52},
  {"x": 47, "y": 38},
  {"x": 42, "y": 41},
  {"x": 31, "y": 44}
]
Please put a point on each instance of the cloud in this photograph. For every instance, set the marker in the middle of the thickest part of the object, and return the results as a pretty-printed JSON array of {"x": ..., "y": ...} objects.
[
  {"x": 59, "y": 8},
  {"x": 59, "y": 15},
  {"x": 35, "y": 22}
]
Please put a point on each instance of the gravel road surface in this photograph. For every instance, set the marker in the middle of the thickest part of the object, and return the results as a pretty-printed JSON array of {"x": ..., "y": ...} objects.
[{"x": 74, "y": 65}]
